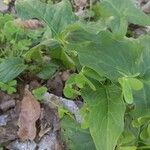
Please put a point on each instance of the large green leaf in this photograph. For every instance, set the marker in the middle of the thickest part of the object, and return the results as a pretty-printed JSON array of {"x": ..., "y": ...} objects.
[
  {"x": 75, "y": 137},
  {"x": 123, "y": 11},
  {"x": 106, "y": 55},
  {"x": 57, "y": 16},
  {"x": 106, "y": 115},
  {"x": 10, "y": 68}
]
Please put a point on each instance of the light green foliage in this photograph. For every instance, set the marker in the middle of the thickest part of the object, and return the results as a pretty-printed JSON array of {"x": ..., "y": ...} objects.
[
  {"x": 39, "y": 92},
  {"x": 14, "y": 41},
  {"x": 129, "y": 84},
  {"x": 8, "y": 87}
]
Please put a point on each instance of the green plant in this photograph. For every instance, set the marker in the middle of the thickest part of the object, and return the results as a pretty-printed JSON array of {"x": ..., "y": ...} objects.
[
  {"x": 113, "y": 69},
  {"x": 8, "y": 87},
  {"x": 38, "y": 92},
  {"x": 20, "y": 52},
  {"x": 15, "y": 42}
]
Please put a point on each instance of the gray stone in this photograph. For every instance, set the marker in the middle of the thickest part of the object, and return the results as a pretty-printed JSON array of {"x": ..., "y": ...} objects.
[
  {"x": 3, "y": 120},
  {"x": 3, "y": 7},
  {"x": 17, "y": 145}
]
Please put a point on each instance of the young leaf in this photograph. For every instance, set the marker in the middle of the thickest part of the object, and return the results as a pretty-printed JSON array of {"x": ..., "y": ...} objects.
[
  {"x": 106, "y": 115},
  {"x": 135, "y": 84},
  {"x": 39, "y": 92},
  {"x": 126, "y": 89}
]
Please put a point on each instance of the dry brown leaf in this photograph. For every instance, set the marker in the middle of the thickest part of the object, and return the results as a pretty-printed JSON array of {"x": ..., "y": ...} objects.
[
  {"x": 29, "y": 114},
  {"x": 28, "y": 24}
]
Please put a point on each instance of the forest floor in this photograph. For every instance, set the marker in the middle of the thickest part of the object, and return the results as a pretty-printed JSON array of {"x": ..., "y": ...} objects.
[{"x": 48, "y": 127}]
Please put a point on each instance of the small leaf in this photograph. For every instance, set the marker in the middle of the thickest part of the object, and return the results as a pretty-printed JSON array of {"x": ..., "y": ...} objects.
[
  {"x": 126, "y": 89},
  {"x": 39, "y": 92},
  {"x": 135, "y": 84}
]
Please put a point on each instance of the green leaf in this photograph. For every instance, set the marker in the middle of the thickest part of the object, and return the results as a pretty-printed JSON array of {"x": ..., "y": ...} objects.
[
  {"x": 123, "y": 12},
  {"x": 68, "y": 91},
  {"x": 10, "y": 68},
  {"x": 39, "y": 92},
  {"x": 130, "y": 134},
  {"x": 57, "y": 16},
  {"x": 47, "y": 71},
  {"x": 106, "y": 55},
  {"x": 75, "y": 137},
  {"x": 8, "y": 87},
  {"x": 128, "y": 148},
  {"x": 81, "y": 81},
  {"x": 106, "y": 115},
  {"x": 129, "y": 84},
  {"x": 135, "y": 84},
  {"x": 127, "y": 91},
  {"x": 33, "y": 54},
  {"x": 144, "y": 135},
  {"x": 92, "y": 74},
  {"x": 142, "y": 104}
]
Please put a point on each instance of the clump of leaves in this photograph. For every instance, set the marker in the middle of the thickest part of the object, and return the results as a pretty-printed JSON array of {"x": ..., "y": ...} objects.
[
  {"x": 113, "y": 77},
  {"x": 20, "y": 52},
  {"x": 8, "y": 87},
  {"x": 15, "y": 42}
]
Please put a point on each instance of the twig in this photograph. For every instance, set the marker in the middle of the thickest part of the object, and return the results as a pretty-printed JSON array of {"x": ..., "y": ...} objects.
[{"x": 66, "y": 103}]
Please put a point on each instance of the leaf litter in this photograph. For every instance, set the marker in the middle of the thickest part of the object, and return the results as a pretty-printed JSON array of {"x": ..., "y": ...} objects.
[{"x": 29, "y": 114}]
